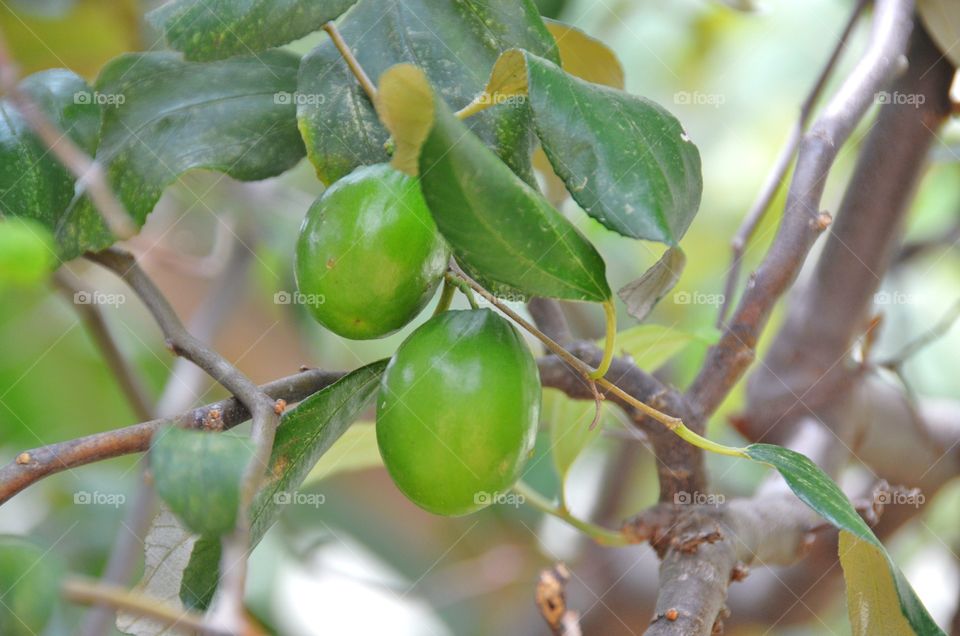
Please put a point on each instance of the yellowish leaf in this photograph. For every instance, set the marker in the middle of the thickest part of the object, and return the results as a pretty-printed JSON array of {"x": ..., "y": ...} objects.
[
  {"x": 872, "y": 600},
  {"x": 405, "y": 106}
]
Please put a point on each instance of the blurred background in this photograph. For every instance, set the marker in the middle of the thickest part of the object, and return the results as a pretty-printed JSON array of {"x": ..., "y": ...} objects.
[{"x": 360, "y": 558}]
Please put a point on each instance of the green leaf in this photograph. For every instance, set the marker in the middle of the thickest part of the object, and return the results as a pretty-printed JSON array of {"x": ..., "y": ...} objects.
[
  {"x": 496, "y": 224},
  {"x": 198, "y": 475},
  {"x": 651, "y": 345},
  {"x": 33, "y": 183},
  {"x": 305, "y": 434},
  {"x": 29, "y": 579},
  {"x": 234, "y": 116},
  {"x": 569, "y": 421},
  {"x": 215, "y": 29},
  {"x": 643, "y": 294},
  {"x": 624, "y": 159},
  {"x": 454, "y": 43},
  {"x": 26, "y": 252},
  {"x": 817, "y": 490}
]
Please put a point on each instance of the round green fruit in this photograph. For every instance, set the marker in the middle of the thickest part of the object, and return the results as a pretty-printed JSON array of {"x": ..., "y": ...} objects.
[
  {"x": 369, "y": 256},
  {"x": 457, "y": 411}
]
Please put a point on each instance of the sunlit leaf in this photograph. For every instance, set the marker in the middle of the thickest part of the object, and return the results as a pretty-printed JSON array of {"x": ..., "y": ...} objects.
[
  {"x": 570, "y": 422},
  {"x": 651, "y": 345}
]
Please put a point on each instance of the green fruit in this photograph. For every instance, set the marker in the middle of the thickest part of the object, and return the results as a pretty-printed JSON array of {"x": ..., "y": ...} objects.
[
  {"x": 369, "y": 256},
  {"x": 29, "y": 580},
  {"x": 457, "y": 412}
]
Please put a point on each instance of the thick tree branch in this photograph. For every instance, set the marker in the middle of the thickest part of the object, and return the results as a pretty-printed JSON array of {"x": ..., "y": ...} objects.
[
  {"x": 775, "y": 179},
  {"x": 832, "y": 309},
  {"x": 802, "y": 221}
]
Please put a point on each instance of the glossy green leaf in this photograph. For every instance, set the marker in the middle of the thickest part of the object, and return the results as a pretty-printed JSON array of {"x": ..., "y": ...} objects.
[
  {"x": 29, "y": 579},
  {"x": 455, "y": 43},
  {"x": 624, "y": 159},
  {"x": 570, "y": 427},
  {"x": 169, "y": 116},
  {"x": 817, "y": 490},
  {"x": 198, "y": 475},
  {"x": 305, "y": 434},
  {"x": 216, "y": 29},
  {"x": 33, "y": 183},
  {"x": 27, "y": 252},
  {"x": 497, "y": 225}
]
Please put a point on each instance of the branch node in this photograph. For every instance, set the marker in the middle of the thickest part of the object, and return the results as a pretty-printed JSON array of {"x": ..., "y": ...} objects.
[
  {"x": 822, "y": 221},
  {"x": 23, "y": 458}
]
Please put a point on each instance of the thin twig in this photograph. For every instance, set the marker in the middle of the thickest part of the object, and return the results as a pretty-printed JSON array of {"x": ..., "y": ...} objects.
[
  {"x": 92, "y": 592},
  {"x": 89, "y": 173},
  {"x": 775, "y": 178},
  {"x": 351, "y": 60},
  {"x": 263, "y": 410},
  {"x": 30, "y": 466},
  {"x": 184, "y": 383}
]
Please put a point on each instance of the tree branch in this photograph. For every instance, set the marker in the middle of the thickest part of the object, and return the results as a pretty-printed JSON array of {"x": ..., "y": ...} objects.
[
  {"x": 32, "y": 465},
  {"x": 680, "y": 466},
  {"x": 775, "y": 178},
  {"x": 832, "y": 309},
  {"x": 802, "y": 221},
  {"x": 264, "y": 411},
  {"x": 91, "y": 592}
]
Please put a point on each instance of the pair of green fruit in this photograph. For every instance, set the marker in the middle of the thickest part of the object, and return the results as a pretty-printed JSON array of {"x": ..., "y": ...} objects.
[{"x": 459, "y": 402}]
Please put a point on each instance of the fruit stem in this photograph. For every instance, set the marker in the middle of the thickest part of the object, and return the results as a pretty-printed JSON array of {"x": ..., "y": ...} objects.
[
  {"x": 675, "y": 424},
  {"x": 610, "y": 314},
  {"x": 479, "y": 104},
  {"x": 351, "y": 61},
  {"x": 601, "y": 535},
  {"x": 464, "y": 288},
  {"x": 446, "y": 297}
]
